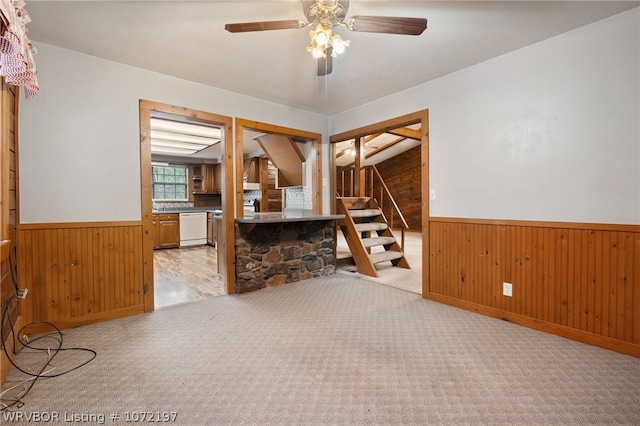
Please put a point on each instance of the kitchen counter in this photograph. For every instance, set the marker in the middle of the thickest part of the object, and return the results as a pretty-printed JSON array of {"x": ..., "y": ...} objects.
[{"x": 256, "y": 218}]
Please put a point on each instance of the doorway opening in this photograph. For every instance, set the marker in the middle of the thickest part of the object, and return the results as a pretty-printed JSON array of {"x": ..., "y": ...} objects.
[
  {"x": 181, "y": 175},
  {"x": 384, "y": 167}
]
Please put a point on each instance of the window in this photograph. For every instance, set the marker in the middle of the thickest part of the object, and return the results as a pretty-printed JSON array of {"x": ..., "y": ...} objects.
[{"x": 169, "y": 182}]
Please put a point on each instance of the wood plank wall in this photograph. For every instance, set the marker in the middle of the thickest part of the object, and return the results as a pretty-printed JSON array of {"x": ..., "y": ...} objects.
[
  {"x": 581, "y": 281},
  {"x": 401, "y": 174},
  {"x": 78, "y": 273},
  {"x": 8, "y": 213}
]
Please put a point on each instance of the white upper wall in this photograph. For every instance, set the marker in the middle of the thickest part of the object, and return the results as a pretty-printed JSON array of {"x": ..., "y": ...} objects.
[
  {"x": 550, "y": 132},
  {"x": 79, "y": 138}
]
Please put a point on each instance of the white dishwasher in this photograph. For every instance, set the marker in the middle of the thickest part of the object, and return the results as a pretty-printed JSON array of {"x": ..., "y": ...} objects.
[{"x": 193, "y": 229}]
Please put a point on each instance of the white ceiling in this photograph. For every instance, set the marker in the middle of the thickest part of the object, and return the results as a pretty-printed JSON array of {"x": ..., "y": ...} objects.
[{"x": 188, "y": 40}]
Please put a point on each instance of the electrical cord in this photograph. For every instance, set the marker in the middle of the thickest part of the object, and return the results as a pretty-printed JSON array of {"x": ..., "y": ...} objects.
[
  {"x": 56, "y": 335},
  {"x": 17, "y": 385},
  {"x": 18, "y": 401}
]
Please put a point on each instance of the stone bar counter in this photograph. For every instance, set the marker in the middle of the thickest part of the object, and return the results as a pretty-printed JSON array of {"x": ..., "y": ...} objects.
[{"x": 277, "y": 248}]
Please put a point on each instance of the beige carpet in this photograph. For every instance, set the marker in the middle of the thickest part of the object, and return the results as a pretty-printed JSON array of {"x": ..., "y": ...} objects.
[{"x": 334, "y": 350}]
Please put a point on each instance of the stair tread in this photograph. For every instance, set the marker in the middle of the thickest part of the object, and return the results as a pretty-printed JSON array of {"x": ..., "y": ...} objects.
[
  {"x": 384, "y": 256},
  {"x": 371, "y": 226},
  {"x": 378, "y": 241},
  {"x": 355, "y": 202},
  {"x": 364, "y": 213}
]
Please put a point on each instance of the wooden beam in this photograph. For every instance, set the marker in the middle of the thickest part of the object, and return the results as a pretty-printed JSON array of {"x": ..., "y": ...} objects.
[
  {"x": 407, "y": 133},
  {"x": 381, "y": 127},
  {"x": 377, "y": 150},
  {"x": 359, "y": 178}
]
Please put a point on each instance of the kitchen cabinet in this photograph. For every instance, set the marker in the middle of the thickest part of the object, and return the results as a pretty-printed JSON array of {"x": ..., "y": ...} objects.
[
  {"x": 166, "y": 230},
  {"x": 197, "y": 178},
  {"x": 207, "y": 179},
  {"x": 217, "y": 178}
]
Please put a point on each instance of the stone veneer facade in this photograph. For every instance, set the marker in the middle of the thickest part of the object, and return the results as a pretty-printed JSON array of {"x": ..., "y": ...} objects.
[{"x": 272, "y": 254}]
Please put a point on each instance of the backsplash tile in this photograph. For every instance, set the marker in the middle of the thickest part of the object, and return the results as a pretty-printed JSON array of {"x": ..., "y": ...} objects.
[{"x": 298, "y": 198}]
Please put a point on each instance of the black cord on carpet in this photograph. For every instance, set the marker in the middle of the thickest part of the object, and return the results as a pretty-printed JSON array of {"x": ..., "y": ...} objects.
[{"x": 55, "y": 335}]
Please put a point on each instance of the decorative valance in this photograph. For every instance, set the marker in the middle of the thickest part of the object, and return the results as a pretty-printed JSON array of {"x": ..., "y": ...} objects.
[{"x": 16, "y": 51}]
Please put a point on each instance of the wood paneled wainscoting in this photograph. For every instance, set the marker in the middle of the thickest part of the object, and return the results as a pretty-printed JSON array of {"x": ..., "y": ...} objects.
[
  {"x": 79, "y": 273},
  {"x": 580, "y": 281}
]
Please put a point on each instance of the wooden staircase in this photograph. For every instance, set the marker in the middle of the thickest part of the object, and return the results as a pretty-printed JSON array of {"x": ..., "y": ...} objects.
[{"x": 364, "y": 227}]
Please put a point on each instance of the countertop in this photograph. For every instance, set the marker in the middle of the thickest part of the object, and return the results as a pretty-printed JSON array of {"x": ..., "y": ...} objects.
[
  {"x": 257, "y": 218},
  {"x": 186, "y": 210}
]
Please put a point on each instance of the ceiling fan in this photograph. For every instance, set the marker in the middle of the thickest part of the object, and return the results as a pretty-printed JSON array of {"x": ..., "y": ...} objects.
[{"x": 324, "y": 16}]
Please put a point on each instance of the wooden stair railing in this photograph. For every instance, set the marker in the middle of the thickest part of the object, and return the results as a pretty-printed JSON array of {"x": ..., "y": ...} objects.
[
  {"x": 362, "y": 218},
  {"x": 384, "y": 194},
  {"x": 345, "y": 181}
]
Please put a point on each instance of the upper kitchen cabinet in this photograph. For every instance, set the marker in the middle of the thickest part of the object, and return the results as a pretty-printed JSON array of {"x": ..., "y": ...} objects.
[
  {"x": 286, "y": 156},
  {"x": 217, "y": 178},
  {"x": 207, "y": 179}
]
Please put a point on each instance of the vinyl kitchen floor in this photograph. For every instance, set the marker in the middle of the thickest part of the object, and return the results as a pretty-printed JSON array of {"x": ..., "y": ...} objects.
[{"x": 186, "y": 274}]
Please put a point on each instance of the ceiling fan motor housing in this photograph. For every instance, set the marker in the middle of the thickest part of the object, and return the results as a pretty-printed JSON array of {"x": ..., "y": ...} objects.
[{"x": 328, "y": 12}]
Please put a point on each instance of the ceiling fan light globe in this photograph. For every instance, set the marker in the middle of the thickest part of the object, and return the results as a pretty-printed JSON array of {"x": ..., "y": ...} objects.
[
  {"x": 317, "y": 53},
  {"x": 322, "y": 35},
  {"x": 322, "y": 39},
  {"x": 339, "y": 45}
]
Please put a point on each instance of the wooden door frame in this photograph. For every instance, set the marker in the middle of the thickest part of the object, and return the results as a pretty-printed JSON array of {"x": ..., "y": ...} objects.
[
  {"x": 233, "y": 190},
  {"x": 146, "y": 108},
  {"x": 421, "y": 117}
]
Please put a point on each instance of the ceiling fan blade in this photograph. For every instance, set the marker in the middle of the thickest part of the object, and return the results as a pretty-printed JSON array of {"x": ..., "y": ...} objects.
[
  {"x": 387, "y": 24},
  {"x": 325, "y": 65},
  {"x": 243, "y": 27}
]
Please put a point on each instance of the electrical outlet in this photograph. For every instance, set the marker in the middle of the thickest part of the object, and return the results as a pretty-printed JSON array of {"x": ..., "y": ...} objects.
[
  {"x": 507, "y": 289},
  {"x": 22, "y": 293}
]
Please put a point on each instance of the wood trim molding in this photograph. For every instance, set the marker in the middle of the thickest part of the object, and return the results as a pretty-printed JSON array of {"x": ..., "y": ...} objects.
[
  {"x": 272, "y": 128},
  {"x": 75, "y": 225},
  {"x": 385, "y": 126},
  {"x": 64, "y": 324},
  {"x": 541, "y": 224},
  {"x": 424, "y": 184}
]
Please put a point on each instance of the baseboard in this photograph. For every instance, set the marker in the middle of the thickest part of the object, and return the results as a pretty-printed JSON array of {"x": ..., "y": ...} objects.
[
  {"x": 42, "y": 327},
  {"x": 559, "y": 330}
]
